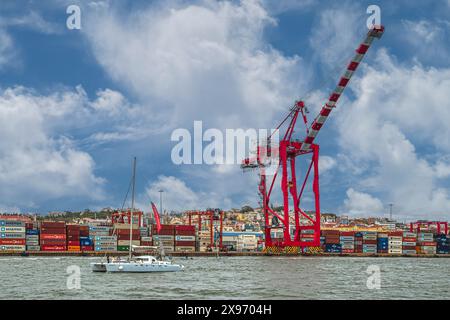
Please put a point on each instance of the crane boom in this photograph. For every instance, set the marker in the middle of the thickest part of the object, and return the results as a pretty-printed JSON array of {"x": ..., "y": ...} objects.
[{"x": 375, "y": 32}]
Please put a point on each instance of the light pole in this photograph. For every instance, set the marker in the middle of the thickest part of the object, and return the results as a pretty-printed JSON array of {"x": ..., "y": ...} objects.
[{"x": 160, "y": 201}]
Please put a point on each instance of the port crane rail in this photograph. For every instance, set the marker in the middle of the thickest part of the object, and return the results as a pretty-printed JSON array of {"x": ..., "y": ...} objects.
[{"x": 286, "y": 152}]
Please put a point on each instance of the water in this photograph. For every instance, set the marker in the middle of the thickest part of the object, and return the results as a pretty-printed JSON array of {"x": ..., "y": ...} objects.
[{"x": 232, "y": 278}]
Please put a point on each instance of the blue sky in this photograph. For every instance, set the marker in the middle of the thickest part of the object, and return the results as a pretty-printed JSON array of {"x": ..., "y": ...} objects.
[{"x": 77, "y": 105}]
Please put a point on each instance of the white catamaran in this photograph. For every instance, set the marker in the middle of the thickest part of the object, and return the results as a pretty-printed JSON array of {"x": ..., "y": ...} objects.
[{"x": 144, "y": 263}]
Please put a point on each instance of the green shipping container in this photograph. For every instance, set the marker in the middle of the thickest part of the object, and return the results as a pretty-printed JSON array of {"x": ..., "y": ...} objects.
[{"x": 123, "y": 248}]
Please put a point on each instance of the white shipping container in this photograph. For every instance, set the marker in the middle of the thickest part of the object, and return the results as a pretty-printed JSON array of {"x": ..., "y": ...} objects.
[
  {"x": 146, "y": 238},
  {"x": 12, "y": 248},
  {"x": 33, "y": 248},
  {"x": 13, "y": 229},
  {"x": 395, "y": 251},
  {"x": 184, "y": 249},
  {"x": 127, "y": 243},
  {"x": 186, "y": 238}
]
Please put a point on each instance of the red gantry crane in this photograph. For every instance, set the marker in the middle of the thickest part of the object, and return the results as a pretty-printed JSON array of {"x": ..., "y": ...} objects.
[{"x": 306, "y": 232}]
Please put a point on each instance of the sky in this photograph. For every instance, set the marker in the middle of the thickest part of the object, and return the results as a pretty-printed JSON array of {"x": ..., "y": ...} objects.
[{"x": 76, "y": 105}]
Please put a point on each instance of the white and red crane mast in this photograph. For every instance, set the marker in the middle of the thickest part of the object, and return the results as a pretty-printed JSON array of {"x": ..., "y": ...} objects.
[{"x": 287, "y": 151}]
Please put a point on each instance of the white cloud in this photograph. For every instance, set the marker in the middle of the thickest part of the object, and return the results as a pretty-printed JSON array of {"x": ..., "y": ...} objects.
[
  {"x": 428, "y": 40},
  {"x": 38, "y": 161},
  {"x": 399, "y": 110},
  {"x": 197, "y": 62},
  {"x": 281, "y": 6},
  {"x": 178, "y": 196},
  {"x": 7, "y": 50},
  {"x": 326, "y": 163},
  {"x": 32, "y": 20},
  {"x": 335, "y": 35},
  {"x": 362, "y": 204}
]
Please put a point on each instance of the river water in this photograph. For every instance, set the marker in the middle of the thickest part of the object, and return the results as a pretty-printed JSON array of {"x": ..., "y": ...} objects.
[{"x": 231, "y": 278}]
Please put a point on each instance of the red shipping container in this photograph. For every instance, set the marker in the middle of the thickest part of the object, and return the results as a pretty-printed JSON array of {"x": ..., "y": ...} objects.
[
  {"x": 431, "y": 244},
  {"x": 73, "y": 232},
  {"x": 347, "y": 233},
  {"x": 185, "y": 243},
  {"x": 146, "y": 243},
  {"x": 73, "y": 238},
  {"x": 53, "y": 236},
  {"x": 73, "y": 227},
  {"x": 409, "y": 247},
  {"x": 87, "y": 248},
  {"x": 12, "y": 242},
  {"x": 53, "y": 231},
  {"x": 29, "y": 226},
  {"x": 330, "y": 232},
  {"x": 73, "y": 243},
  {"x": 395, "y": 234},
  {"x": 185, "y": 228},
  {"x": 53, "y": 242},
  {"x": 53, "y": 248},
  {"x": 332, "y": 241},
  {"x": 348, "y": 251},
  {"x": 127, "y": 237},
  {"x": 409, "y": 239},
  {"x": 185, "y": 233},
  {"x": 369, "y": 241},
  {"x": 52, "y": 224}
]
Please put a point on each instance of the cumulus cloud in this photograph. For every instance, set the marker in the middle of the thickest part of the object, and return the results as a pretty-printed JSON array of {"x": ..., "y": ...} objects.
[
  {"x": 7, "y": 50},
  {"x": 38, "y": 159},
  {"x": 398, "y": 111},
  {"x": 428, "y": 40},
  {"x": 178, "y": 196},
  {"x": 362, "y": 204},
  {"x": 204, "y": 61},
  {"x": 335, "y": 34}
]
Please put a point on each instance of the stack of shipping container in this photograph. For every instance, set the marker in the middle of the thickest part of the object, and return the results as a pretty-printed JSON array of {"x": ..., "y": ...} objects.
[
  {"x": 165, "y": 237},
  {"x": 247, "y": 242},
  {"x": 86, "y": 243},
  {"x": 204, "y": 240},
  {"x": 409, "y": 243},
  {"x": 307, "y": 235},
  {"x": 442, "y": 244},
  {"x": 101, "y": 239},
  {"x": 370, "y": 241},
  {"x": 395, "y": 242},
  {"x": 332, "y": 241},
  {"x": 347, "y": 241},
  {"x": 124, "y": 233},
  {"x": 382, "y": 242},
  {"x": 32, "y": 237},
  {"x": 358, "y": 242},
  {"x": 184, "y": 238},
  {"x": 12, "y": 235},
  {"x": 73, "y": 237},
  {"x": 425, "y": 243},
  {"x": 53, "y": 236}
]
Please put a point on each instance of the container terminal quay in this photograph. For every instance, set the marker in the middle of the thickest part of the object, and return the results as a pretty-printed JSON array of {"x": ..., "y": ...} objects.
[{"x": 213, "y": 232}]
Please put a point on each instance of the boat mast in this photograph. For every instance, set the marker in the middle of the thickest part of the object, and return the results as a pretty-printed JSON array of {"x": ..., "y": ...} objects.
[{"x": 132, "y": 207}]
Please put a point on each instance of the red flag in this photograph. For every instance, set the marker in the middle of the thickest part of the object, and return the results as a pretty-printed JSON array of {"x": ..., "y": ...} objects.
[{"x": 156, "y": 215}]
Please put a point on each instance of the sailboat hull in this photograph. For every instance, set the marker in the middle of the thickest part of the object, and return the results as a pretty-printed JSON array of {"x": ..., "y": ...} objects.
[
  {"x": 142, "y": 267},
  {"x": 98, "y": 267}
]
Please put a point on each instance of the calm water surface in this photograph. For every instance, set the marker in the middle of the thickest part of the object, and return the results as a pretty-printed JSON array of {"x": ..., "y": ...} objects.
[{"x": 232, "y": 278}]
